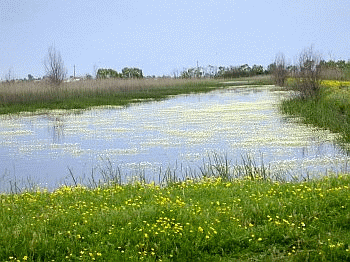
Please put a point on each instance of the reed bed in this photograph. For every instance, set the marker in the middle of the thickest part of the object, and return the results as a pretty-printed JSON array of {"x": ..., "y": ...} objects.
[{"x": 32, "y": 95}]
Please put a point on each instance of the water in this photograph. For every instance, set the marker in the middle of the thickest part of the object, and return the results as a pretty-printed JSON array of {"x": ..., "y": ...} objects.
[{"x": 181, "y": 131}]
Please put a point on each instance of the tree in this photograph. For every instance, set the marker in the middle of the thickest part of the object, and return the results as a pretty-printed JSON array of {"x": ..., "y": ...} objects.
[
  {"x": 88, "y": 76},
  {"x": 257, "y": 70},
  {"x": 132, "y": 72},
  {"x": 30, "y": 77},
  {"x": 308, "y": 73},
  {"x": 107, "y": 73},
  {"x": 54, "y": 67},
  {"x": 279, "y": 70},
  {"x": 185, "y": 74}
]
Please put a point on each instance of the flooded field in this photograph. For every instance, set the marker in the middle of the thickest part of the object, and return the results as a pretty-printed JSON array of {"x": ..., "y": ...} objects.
[{"x": 179, "y": 133}]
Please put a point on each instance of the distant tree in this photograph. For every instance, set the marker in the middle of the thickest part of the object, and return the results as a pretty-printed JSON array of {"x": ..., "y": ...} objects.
[
  {"x": 30, "y": 77},
  {"x": 270, "y": 68},
  {"x": 245, "y": 69},
  {"x": 107, "y": 73},
  {"x": 221, "y": 71},
  {"x": 198, "y": 72},
  {"x": 292, "y": 70},
  {"x": 211, "y": 70},
  {"x": 339, "y": 70},
  {"x": 257, "y": 70},
  {"x": 185, "y": 74},
  {"x": 132, "y": 72},
  {"x": 175, "y": 73},
  {"x": 54, "y": 67},
  {"x": 189, "y": 73}
]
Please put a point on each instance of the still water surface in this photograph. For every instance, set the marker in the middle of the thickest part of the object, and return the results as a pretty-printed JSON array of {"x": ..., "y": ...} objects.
[{"x": 182, "y": 130}]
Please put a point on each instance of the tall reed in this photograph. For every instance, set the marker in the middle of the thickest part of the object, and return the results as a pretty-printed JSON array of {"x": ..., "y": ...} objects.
[{"x": 33, "y": 95}]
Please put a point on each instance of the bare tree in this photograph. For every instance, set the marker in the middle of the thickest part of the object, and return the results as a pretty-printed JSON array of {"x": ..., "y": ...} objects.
[
  {"x": 54, "y": 67},
  {"x": 279, "y": 70},
  {"x": 308, "y": 74},
  {"x": 9, "y": 77}
]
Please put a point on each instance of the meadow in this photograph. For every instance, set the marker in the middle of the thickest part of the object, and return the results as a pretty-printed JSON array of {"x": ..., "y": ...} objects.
[{"x": 208, "y": 219}]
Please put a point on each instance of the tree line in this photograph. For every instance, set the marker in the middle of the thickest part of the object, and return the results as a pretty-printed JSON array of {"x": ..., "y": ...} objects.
[
  {"x": 222, "y": 71},
  {"x": 308, "y": 62},
  {"x": 127, "y": 72}
]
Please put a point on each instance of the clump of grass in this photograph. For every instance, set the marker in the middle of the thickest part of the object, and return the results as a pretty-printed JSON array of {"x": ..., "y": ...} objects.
[
  {"x": 206, "y": 220},
  {"x": 329, "y": 110},
  {"x": 220, "y": 166}
]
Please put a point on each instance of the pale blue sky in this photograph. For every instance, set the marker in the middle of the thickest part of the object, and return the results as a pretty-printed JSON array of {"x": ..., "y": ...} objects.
[{"x": 160, "y": 36}]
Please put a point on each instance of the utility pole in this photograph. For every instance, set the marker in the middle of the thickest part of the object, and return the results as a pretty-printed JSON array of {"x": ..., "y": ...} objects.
[
  {"x": 74, "y": 73},
  {"x": 217, "y": 64}
]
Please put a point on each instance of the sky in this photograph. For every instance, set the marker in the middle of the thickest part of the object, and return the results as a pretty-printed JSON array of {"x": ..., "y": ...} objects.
[{"x": 160, "y": 36}]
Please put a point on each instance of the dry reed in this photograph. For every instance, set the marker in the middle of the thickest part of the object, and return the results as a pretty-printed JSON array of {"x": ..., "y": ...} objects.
[{"x": 42, "y": 92}]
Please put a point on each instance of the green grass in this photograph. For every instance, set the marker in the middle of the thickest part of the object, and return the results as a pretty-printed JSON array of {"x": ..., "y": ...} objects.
[
  {"x": 210, "y": 219},
  {"x": 329, "y": 110}
]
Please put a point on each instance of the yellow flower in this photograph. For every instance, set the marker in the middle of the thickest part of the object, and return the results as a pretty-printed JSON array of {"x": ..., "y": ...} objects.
[{"x": 25, "y": 258}]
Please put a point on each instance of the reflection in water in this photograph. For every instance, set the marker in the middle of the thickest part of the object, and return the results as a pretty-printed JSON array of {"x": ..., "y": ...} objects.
[
  {"x": 178, "y": 132},
  {"x": 57, "y": 129}
]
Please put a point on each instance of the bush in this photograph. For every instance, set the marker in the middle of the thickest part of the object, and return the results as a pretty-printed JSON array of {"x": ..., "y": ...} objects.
[
  {"x": 308, "y": 73},
  {"x": 279, "y": 71}
]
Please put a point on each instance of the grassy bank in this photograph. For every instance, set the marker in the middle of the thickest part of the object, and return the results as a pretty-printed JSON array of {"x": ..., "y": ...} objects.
[
  {"x": 31, "y": 96},
  {"x": 207, "y": 220},
  {"x": 329, "y": 110}
]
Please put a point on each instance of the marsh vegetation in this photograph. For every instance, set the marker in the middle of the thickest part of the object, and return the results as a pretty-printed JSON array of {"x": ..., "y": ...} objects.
[
  {"x": 227, "y": 211},
  {"x": 31, "y": 96},
  {"x": 210, "y": 219}
]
